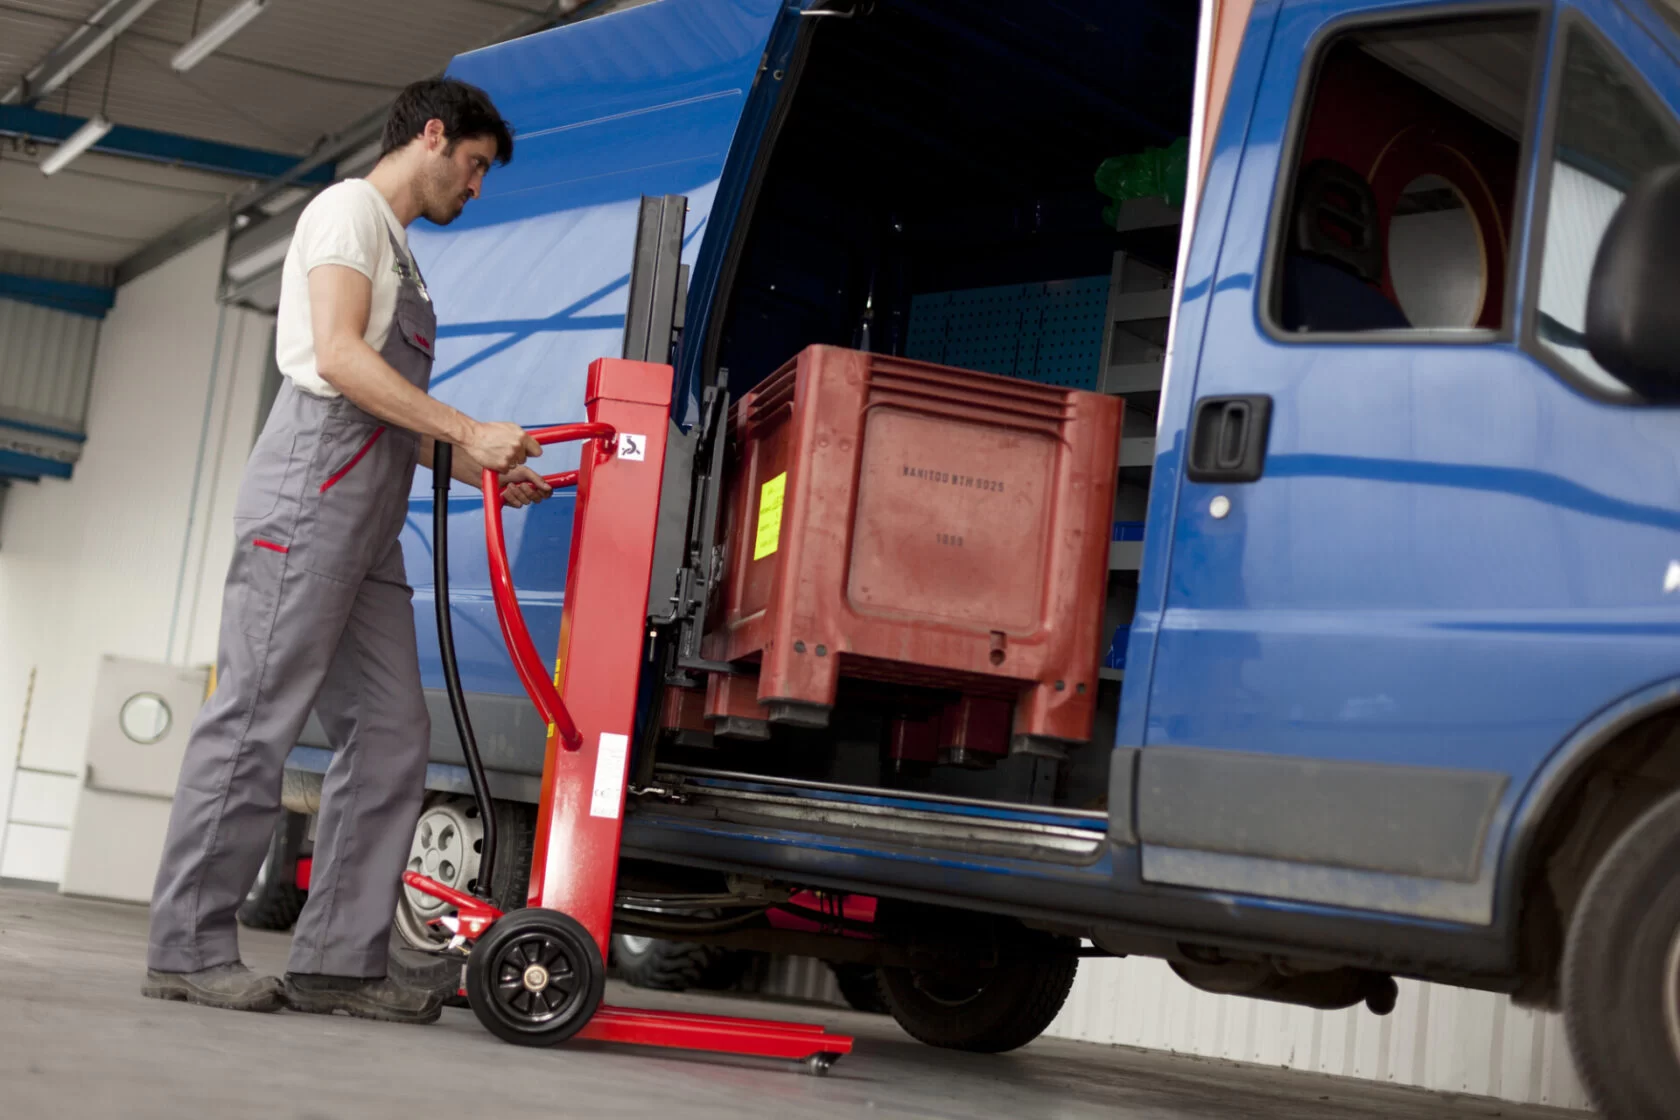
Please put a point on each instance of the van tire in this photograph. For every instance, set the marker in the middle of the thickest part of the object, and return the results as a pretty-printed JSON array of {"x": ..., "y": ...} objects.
[
  {"x": 516, "y": 830},
  {"x": 990, "y": 1010},
  {"x": 1621, "y": 972},
  {"x": 860, "y": 987},
  {"x": 275, "y": 900}
]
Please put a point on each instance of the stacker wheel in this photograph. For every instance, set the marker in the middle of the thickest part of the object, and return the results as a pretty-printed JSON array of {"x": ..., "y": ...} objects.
[{"x": 536, "y": 978}]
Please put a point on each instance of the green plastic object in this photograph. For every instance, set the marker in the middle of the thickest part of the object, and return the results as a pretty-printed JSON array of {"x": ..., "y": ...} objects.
[{"x": 1152, "y": 173}]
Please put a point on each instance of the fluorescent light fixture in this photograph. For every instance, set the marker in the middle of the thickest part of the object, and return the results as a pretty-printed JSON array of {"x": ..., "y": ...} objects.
[
  {"x": 75, "y": 144},
  {"x": 268, "y": 257},
  {"x": 216, "y": 34},
  {"x": 79, "y": 48}
]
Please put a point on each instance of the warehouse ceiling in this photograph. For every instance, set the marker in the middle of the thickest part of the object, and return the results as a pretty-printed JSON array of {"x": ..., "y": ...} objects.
[{"x": 303, "y": 78}]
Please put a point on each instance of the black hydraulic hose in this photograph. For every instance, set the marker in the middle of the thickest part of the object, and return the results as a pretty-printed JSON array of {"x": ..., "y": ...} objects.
[{"x": 442, "y": 461}]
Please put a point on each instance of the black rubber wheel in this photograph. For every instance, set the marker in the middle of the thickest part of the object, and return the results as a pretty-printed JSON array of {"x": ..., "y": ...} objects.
[
  {"x": 275, "y": 900},
  {"x": 1621, "y": 972},
  {"x": 675, "y": 966},
  {"x": 985, "y": 1010},
  {"x": 536, "y": 978},
  {"x": 860, "y": 987}
]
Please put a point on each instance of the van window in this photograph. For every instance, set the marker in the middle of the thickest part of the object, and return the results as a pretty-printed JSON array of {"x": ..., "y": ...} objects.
[
  {"x": 1608, "y": 133},
  {"x": 1401, "y": 199}
]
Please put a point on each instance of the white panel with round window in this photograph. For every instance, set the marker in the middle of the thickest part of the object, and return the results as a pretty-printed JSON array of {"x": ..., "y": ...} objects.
[{"x": 145, "y": 718}]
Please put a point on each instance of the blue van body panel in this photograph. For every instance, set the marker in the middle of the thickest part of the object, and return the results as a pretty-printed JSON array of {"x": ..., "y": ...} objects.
[
  {"x": 531, "y": 282},
  {"x": 1453, "y": 559}
]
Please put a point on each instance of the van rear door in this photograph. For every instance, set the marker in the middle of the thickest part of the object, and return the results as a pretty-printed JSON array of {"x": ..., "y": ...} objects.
[{"x": 531, "y": 282}]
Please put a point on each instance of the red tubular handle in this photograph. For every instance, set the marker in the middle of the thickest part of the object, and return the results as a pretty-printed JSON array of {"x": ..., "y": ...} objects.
[
  {"x": 562, "y": 480},
  {"x": 526, "y": 662}
]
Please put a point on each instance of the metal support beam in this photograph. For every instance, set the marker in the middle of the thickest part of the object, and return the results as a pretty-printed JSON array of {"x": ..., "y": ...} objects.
[
  {"x": 77, "y": 299},
  {"x": 265, "y": 231},
  {"x": 157, "y": 147},
  {"x": 78, "y": 48},
  {"x": 173, "y": 243}
]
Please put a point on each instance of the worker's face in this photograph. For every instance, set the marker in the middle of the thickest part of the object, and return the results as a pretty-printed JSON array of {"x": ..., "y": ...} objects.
[{"x": 453, "y": 172}]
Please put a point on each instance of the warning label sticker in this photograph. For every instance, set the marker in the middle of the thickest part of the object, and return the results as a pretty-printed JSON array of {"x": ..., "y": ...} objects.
[
  {"x": 610, "y": 759},
  {"x": 770, "y": 497}
]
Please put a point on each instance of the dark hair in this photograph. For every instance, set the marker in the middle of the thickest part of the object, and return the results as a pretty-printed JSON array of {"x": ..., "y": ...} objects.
[{"x": 465, "y": 110}]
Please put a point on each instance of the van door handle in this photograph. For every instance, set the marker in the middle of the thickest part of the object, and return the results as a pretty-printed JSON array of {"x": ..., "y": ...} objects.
[{"x": 1228, "y": 439}]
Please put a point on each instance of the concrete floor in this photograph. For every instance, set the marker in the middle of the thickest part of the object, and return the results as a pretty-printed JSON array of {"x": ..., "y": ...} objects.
[{"x": 77, "y": 1040}]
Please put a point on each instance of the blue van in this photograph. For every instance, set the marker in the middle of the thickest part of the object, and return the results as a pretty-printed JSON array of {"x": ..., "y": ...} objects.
[{"x": 1401, "y": 690}]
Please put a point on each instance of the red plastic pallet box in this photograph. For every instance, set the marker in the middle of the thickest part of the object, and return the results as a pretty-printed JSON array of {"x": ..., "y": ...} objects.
[{"x": 904, "y": 522}]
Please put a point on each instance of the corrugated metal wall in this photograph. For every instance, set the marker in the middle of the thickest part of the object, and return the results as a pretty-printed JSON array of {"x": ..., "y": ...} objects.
[
  {"x": 46, "y": 356},
  {"x": 801, "y": 978},
  {"x": 1447, "y": 1039}
]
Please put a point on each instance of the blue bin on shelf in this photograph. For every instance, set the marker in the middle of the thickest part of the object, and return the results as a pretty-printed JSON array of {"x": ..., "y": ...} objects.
[{"x": 1116, "y": 658}]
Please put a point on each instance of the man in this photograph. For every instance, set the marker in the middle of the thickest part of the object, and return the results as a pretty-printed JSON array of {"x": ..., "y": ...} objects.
[{"x": 316, "y": 613}]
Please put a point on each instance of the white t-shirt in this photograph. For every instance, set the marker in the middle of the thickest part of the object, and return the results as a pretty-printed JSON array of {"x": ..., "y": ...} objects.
[{"x": 345, "y": 224}]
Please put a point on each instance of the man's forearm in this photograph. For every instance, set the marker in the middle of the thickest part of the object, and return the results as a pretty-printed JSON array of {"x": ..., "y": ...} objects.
[{"x": 355, "y": 369}]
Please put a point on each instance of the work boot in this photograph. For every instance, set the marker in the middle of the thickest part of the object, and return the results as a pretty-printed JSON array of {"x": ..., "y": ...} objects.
[
  {"x": 365, "y": 998},
  {"x": 438, "y": 972},
  {"x": 231, "y": 986}
]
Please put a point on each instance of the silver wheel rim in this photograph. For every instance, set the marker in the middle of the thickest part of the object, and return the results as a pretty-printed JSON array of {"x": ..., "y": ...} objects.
[
  {"x": 1671, "y": 995},
  {"x": 634, "y": 945},
  {"x": 445, "y": 848},
  {"x": 258, "y": 883}
]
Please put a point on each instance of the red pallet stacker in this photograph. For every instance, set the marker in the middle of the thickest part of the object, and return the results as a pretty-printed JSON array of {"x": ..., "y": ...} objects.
[{"x": 536, "y": 976}]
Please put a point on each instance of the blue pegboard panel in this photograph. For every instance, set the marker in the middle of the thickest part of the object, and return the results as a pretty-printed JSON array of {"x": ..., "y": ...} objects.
[
  {"x": 1050, "y": 333},
  {"x": 1070, "y": 333},
  {"x": 983, "y": 328},
  {"x": 924, "y": 340}
]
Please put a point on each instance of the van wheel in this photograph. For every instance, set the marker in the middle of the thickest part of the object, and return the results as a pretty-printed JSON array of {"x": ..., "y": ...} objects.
[
  {"x": 447, "y": 838},
  {"x": 275, "y": 900},
  {"x": 859, "y": 987},
  {"x": 675, "y": 966},
  {"x": 986, "y": 1010},
  {"x": 1621, "y": 972}
]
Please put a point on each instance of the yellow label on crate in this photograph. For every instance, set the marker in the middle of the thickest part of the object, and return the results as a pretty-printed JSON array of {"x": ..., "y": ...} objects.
[{"x": 770, "y": 497}]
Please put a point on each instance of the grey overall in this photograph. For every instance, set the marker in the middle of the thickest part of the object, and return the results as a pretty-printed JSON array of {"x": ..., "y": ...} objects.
[{"x": 316, "y": 614}]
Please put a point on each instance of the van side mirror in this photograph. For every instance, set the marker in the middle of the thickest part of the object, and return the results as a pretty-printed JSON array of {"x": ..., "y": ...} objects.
[{"x": 1633, "y": 302}]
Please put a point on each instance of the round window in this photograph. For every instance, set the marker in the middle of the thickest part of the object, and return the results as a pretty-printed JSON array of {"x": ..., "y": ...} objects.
[
  {"x": 145, "y": 717},
  {"x": 1437, "y": 257}
]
